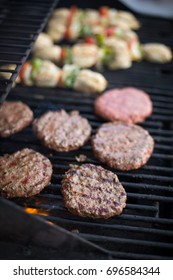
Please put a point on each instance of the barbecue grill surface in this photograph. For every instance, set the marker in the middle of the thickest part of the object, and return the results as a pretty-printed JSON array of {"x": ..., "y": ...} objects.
[{"x": 145, "y": 229}]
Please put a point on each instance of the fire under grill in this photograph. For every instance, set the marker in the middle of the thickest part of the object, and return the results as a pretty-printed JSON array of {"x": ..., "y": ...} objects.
[{"x": 145, "y": 229}]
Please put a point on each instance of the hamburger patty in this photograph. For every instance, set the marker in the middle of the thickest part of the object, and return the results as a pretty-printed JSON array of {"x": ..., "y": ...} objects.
[
  {"x": 61, "y": 131},
  {"x": 14, "y": 116},
  {"x": 128, "y": 105},
  {"x": 24, "y": 173},
  {"x": 92, "y": 191},
  {"x": 122, "y": 146}
]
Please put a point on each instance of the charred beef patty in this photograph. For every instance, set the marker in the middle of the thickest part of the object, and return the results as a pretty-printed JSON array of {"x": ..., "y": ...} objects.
[
  {"x": 14, "y": 116},
  {"x": 62, "y": 131},
  {"x": 128, "y": 105},
  {"x": 92, "y": 191},
  {"x": 24, "y": 173},
  {"x": 122, "y": 146}
]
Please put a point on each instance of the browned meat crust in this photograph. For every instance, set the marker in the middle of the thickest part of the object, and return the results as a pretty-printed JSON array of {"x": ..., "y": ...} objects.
[
  {"x": 14, "y": 116},
  {"x": 24, "y": 173},
  {"x": 61, "y": 131},
  {"x": 122, "y": 146},
  {"x": 92, "y": 191},
  {"x": 128, "y": 105}
]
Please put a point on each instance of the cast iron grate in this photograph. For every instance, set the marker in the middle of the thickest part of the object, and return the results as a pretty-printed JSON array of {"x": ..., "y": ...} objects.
[
  {"x": 20, "y": 24},
  {"x": 145, "y": 229}
]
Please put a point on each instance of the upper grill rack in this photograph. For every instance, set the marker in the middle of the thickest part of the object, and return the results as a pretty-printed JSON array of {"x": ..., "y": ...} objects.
[{"x": 20, "y": 24}]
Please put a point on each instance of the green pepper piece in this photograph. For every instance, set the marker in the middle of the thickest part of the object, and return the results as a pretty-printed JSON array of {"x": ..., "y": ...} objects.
[
  {"x": 141, "y": 51},
  {"x": 68, "y": 56},
  {"x": 100, "y": 38},
  {"x": 72, "y": 77},
  {"x": 108, "y": 56},
  {"x": 36, "y": 64}
]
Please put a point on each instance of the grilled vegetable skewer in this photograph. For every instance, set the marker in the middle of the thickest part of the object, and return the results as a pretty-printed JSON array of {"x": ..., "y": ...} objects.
[
  {"x": 114, "y": 54},
  {"x": 75, "y": 23},
  {"x": 44, "y": 73}
]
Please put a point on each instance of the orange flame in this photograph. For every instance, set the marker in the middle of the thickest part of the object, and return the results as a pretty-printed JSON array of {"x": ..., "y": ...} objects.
[{"x": 35, "y": 211}]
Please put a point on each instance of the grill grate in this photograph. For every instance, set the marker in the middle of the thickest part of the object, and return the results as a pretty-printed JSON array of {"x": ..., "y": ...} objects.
[
  {"x": 20, "y": 24},
  {"x": 145, "y": 229}
]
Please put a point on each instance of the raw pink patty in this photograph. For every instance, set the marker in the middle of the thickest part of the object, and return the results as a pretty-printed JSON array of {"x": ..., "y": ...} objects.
[{"x": 128, "y": 105}]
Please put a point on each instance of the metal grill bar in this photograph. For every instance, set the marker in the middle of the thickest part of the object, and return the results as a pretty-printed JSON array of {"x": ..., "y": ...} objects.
[
  {"x": 113, "y": 227},
  {"x": 128, "y": 241},
  {"x": 13, "y": 19},
  {"x": 15, "y": 38},
  {"x": 146, "y": 219}
]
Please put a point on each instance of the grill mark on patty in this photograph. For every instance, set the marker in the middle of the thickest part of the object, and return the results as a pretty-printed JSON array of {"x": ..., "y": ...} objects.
[
  {"x": 64, "y": 132},
  {"x": 49, "y": 125},
  {"x": 31, "y": 173},
  {"x": 92, "y": 191}
]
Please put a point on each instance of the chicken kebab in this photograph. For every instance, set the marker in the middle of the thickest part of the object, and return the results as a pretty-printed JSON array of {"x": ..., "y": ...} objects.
[{"x": 44, "y": 73}]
